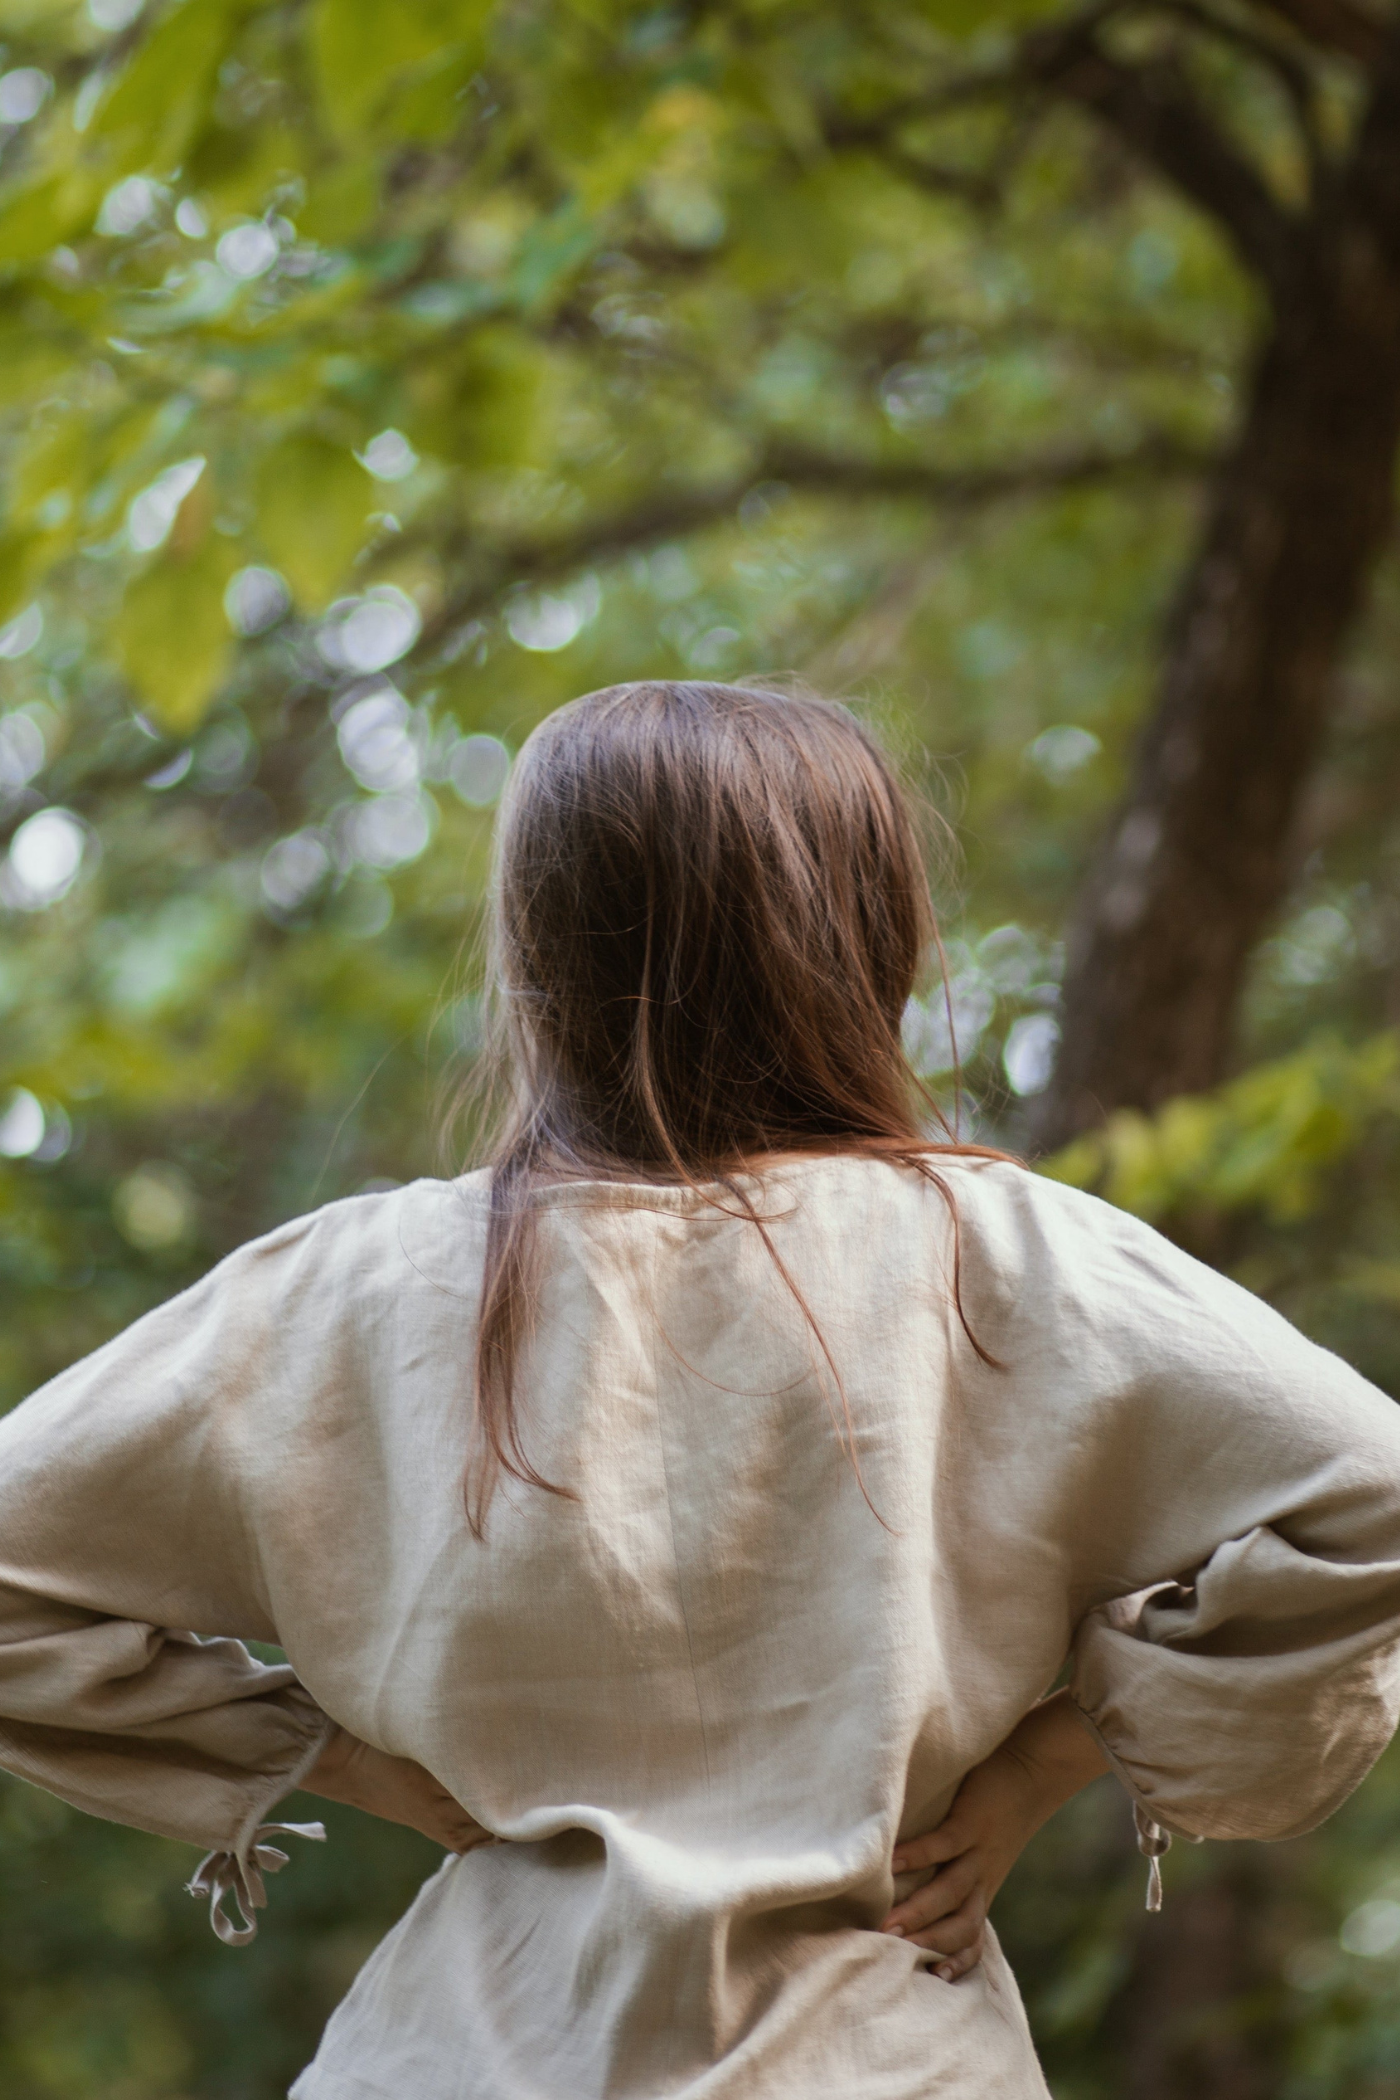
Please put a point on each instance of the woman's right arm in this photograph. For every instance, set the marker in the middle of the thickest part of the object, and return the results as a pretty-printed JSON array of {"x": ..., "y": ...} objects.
[
  {"x": 1236, "y": 1539},
  {"x": 393, "y": 1788},
  {"x": 128, "y": 1585}
]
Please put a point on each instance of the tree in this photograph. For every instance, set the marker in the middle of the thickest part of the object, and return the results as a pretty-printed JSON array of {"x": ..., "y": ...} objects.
[
  {"x": 1245, "y": 111},
  {"x": 339, "y": 343},
  {"x": 1201, "y": 852}
]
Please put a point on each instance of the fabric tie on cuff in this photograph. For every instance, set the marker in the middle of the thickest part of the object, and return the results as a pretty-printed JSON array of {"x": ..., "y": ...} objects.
[
  {"x": 221, "y": 1874},
  {"x": 1152, "y": 1841}
]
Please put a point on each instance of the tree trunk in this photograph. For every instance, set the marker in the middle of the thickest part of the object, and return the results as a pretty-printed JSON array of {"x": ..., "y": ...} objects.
[{"x": 1199, "y": 856}]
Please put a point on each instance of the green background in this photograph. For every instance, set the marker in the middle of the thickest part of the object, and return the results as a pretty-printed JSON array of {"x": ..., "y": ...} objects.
[{"x": 597, "y": 342}]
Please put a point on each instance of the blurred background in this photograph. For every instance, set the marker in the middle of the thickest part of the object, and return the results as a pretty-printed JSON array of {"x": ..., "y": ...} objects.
[{"x": 375, "y": 377}]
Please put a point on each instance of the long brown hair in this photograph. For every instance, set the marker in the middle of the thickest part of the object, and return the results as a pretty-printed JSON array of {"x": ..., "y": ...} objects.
[{"x": 710, "y": 908}]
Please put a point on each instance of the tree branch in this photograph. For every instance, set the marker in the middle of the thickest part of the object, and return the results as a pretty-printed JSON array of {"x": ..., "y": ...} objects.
[
  {"x": 979, "y": 191},
  {"x": 1333, "y": 25},
  {"x": 1155, "y": 113},
  {"x": 1283, "y": 60},
  {"x": 667, "y": 517},
  {"x": 1151, "y": 106},
  {"x": 879, "y": 135},
  {"x": 825, "y": 473}
]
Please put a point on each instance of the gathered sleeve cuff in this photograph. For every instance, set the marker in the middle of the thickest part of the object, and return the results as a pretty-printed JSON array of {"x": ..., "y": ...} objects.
[
  {"x": 186, "y": 1737},
  {"x": 1248, "y": 1700}
]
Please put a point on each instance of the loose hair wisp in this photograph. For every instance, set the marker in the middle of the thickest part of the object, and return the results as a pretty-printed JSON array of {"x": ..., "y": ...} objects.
[{"x": 710, "y": 908}]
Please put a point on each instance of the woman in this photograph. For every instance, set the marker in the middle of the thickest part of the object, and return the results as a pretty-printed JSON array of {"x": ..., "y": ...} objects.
[{"x": 802, "y": 1449}]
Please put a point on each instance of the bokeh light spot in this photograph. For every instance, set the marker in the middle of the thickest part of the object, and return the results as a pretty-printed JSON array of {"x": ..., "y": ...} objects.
[
  {"x": 247, "y": 251},
  {"x": 256, "y": 599},
  {"x": 23, "y": 93},
  {"x": 22, "y": 1124},
  {"x": 389, "y": 457},
  {"x": 1028, "y": 1055},
  {"x": 154, "y": 1207},
  {"x": 128, "y": 206},
  {"x": 19, "y": 636},
  {"x": 151, "y": 515},
  {"x": 477, "y": 768},
  {"x": 45, "y": 856}
]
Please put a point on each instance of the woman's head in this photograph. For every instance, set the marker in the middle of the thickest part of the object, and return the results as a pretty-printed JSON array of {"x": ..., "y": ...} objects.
[{"x": 711, "y": 908}]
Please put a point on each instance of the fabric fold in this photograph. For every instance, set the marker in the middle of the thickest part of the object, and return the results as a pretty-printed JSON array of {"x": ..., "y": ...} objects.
[{"x": 1218, "y": 1696}]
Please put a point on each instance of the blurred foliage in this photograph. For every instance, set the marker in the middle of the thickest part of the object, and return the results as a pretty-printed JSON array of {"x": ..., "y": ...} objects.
[
  {"x": 108, "y": 1986},
  {"x": 1289, "y": 1956},
  {"x": 371, "y": 380},
  {"x": 1287, "y": 1178},
  {"x": 1263, "y": 1143}
]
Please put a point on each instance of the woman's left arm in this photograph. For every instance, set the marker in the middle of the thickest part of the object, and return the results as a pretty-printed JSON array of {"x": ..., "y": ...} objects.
[
  {"x": 1048, "y": 1757},
  {"x": 1229, "y": 1514}
]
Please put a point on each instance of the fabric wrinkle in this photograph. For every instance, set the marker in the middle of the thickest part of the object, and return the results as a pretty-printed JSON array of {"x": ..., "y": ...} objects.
[{"x": 700, "y": 1701}]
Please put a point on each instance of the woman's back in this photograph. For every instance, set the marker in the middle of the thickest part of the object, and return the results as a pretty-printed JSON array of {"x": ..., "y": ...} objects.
[
  {"x": 701, "y": 1701},
  {"x": 702, "y": 1698}
]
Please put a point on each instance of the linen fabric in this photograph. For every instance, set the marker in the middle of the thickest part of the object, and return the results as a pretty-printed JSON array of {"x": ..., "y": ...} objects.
[{"x": 701, "y": 1699}]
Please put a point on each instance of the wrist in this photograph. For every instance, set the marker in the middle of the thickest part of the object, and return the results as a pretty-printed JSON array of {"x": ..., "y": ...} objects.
[
  {"x": 329, "y": 1775},
  {"x": 1056, "y": 1752}
]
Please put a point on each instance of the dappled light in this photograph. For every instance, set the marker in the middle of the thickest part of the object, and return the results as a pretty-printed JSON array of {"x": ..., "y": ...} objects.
[{"x": 376, "y": 378}]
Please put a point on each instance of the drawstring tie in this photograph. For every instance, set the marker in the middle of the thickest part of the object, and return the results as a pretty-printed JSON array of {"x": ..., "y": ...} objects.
[
  {"x": 221, "y": 1874},
  {"x": 1152, "y": 1841}
]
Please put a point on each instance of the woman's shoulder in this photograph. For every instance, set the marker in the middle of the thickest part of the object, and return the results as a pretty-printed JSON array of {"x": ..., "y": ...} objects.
[
  {"x": 988, "y": 1193},
  {"x": 1047, "y": 1243},
  {"x": 1075, "y": 1273},
  {"x": 367, "y": 1235},
  {"x": 1026, "y": 1247}
]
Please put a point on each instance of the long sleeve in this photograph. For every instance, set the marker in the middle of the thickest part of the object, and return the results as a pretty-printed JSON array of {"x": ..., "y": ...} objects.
[
  {"x": 1235, "y": 1524},
  {"x": 128, "y": 1581}
]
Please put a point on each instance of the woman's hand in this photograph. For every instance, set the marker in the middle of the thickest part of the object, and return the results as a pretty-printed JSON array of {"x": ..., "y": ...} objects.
[
  {"x": 998, "y": 1808},
  {"x": 395, "y": 1788}
]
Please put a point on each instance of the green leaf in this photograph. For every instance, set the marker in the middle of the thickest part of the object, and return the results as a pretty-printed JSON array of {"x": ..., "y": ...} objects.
[
  {"x": 37, "y": 217},
  {"x": 50, "y": 472},
  {"x": 30, "y": 364},
  {"x": 551, "y": 254},
  {"x": 342, "y": 201},
  {"x": 172, "y": 634},
  {"x": 313, "y": 501},
  {"x": 165, "y": 94},
  {"x": 23, "y": 560},
  {"x": 361, "y": 52},
  {"x": 27, "y": 17},
  {"x": 493, "y": 404},
  {"x": 426, "y": 103},
  {"x": 67, "y": 458},
  {"x": 239, "y": 168}
]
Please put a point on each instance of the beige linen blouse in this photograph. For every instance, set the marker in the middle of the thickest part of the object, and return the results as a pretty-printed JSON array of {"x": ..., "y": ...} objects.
[{"x": 702, "y": 1700}]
